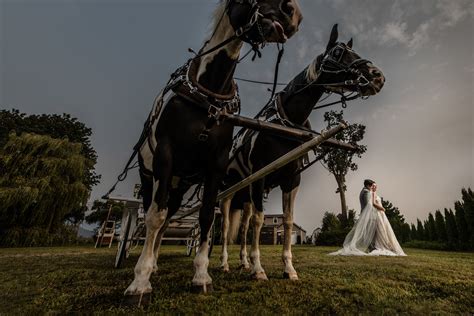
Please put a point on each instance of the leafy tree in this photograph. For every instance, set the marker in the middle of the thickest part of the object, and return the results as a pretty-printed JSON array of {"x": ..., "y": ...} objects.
[
  {"x": 338, "y": 161},
  {"x": 433, "y": 236},
  {"x": 468, "y": 205},
  {"x": 330, "y": 222},
  {"x": 406, "y": 232},
  {"x": 55, "y": 126},
  {"x": 440, "y": 227},
  {"x": 413, "y": 232},
  {"x": 42, "y": 180},
  {"x": 426, "y": 227},
  {"x": 396, "y": 219},
  {"x": 451, "y": 229},
  {"x": 420, "y": 231},
  {"x": 100, "y": 210},
  {"x": 461, "y": 223}
]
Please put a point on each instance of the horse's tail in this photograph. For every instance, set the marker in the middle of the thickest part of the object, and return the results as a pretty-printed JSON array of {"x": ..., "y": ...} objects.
[{"x": 234, "y": 225}]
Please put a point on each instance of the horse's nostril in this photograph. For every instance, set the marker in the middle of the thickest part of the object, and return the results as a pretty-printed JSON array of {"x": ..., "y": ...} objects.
[
  {"x": 287, "y": 7},
  {"x": 375, "y": 73}
]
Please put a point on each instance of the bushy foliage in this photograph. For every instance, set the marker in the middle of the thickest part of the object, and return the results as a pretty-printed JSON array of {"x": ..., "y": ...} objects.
[
  {"x": 100, "y": 210},
  {"x": 65, "y": 235},
  {"x": 451, "y": 231},
  {"x": 55, "y": 126},
  {"x": 41, "y": 182},
  {"x": 333, "y": 230},
  {"x": 397, "y": 221}
]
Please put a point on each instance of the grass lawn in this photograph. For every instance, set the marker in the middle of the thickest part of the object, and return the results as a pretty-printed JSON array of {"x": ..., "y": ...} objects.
[{"x": 82, "y": 279}]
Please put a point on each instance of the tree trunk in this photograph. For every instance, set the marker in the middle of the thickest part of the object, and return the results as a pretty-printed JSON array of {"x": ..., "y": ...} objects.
[{"x": 340, "y": 184}]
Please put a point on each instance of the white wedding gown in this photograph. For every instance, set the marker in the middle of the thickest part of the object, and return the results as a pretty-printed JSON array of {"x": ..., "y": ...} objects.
[{"x": 372, "y": 228}]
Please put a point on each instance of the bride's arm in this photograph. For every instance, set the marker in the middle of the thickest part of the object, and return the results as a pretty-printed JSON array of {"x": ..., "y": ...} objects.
[{"x": 376, "y": 205}]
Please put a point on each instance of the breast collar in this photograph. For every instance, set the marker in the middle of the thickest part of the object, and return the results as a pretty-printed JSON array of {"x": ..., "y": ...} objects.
[{"x": 184, "y": 83}]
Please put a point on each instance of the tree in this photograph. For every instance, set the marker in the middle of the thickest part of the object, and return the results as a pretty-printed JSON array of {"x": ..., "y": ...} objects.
[
  {"x": 468, "y": 205},
  {"x": 338, "y": 161},
  {"x": 433, "y": 235},
  {"x": 420, "y": 231},
  {"x": 440, "y": 227},
  {"x": 41, "y": 181},
  {"x": 396, "y": 220},
  {"x": 413, "y": 232},
  {"x": 330, "y": 222},
  {"x": 451, "y": 229},
  {"x": 463, "y": 228},
  {"x": 55, "y": 126},
  {"x": 100, "y": 210},
  {"x": 427, "y": 230}
]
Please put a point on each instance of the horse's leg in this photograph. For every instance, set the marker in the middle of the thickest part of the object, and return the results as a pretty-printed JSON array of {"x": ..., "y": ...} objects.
[
  {"x": 247, "y": 213},
  {"x": 174, "y": 203},
  {"x": 225, "y": 208},
  {"x": 257, "y": 220},
  {"x": 155, "y": 218},
  {"x": 288, "y": 207},
  {"x": 202, "y": 281}
]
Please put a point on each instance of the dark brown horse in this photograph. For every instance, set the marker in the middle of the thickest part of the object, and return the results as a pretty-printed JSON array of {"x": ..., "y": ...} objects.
[
  {"x": 184, "y": 143},
  {"x": 339, "y": 69}
]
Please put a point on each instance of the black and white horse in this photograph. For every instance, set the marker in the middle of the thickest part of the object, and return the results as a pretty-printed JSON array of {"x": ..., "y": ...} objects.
[
  {"x": 340, "y": 70},
  {"x": 183, "y": 144}
]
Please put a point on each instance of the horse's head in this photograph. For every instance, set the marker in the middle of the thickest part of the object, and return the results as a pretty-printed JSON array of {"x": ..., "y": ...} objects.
[
  {"x": 341, "y": 69},
  {"x": 264, "y": 20}
]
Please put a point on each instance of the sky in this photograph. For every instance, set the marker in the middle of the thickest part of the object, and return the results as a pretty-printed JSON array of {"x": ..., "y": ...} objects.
[{"x": 104, "y": 61}]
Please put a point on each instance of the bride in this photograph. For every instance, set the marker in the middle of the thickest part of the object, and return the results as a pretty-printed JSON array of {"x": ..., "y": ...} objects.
[{"x": 371, "y": 230}]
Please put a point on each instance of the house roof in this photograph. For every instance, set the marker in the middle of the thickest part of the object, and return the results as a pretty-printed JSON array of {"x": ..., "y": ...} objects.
[{"x": 281, "y": 224}]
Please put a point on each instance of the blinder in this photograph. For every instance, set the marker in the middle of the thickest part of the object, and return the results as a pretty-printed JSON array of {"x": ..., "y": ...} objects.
[
  {"x": 251, "y": 32},
  {"x": 332, "y": 62}
]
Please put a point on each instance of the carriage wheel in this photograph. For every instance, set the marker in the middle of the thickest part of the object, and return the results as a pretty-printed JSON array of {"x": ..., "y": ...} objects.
[{"x": 123, "y": 244}]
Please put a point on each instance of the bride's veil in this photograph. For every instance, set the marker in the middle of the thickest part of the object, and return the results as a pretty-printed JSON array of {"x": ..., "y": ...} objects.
[{"x": 362, "y": 234}]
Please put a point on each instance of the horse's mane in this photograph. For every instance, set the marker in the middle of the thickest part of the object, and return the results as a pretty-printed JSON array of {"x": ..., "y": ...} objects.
[
  {"x": 217, "y": 14},
  {"x": 311, "y": 71}
]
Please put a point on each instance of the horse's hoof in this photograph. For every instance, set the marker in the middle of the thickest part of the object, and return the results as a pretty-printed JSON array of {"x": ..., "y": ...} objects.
[
  {"x": 290, "y": 276},
  {"x": 225, "y": 268},
  {"x": 137, "y": 300},
  {"x": 244, "y": 267},
  {"x": 202, "y": 289},
  {"x": 259, "y": 276}
]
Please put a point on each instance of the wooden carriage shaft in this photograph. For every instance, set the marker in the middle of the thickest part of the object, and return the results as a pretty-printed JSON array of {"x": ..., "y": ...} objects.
[
  {"x": 284, "y": 131},
  {"x": 296, "y": 153}
]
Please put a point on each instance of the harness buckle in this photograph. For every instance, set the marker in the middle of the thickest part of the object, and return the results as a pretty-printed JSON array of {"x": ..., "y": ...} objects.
[{"x": 213, "y": 111}]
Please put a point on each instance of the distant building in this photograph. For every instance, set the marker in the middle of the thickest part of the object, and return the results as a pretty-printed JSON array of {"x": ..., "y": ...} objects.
[{"x": 273, "y": 231}]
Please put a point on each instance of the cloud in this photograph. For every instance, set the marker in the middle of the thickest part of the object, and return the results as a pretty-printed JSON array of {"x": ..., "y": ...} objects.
[{"x": 402, "y": 23}]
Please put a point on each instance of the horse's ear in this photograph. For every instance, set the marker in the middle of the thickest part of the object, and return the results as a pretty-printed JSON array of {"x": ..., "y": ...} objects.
[
  {"x": 333, "y": 38},
  {"x": 350, "y": 43}
]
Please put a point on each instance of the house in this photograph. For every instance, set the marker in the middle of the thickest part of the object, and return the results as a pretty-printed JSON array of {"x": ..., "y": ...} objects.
[{"x": 273, "y": 231}]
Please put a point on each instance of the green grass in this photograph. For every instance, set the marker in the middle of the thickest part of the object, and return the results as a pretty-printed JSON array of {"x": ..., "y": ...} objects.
[{"x": 81, "y": 279}]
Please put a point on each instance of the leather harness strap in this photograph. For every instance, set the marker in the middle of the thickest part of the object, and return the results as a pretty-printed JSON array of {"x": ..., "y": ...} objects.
[{"x": 215, "y": 104}]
